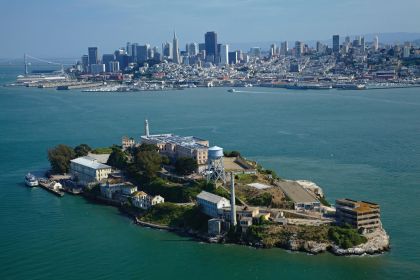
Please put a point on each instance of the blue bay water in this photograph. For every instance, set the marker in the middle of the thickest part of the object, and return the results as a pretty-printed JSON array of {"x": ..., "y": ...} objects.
[{"x": 356, "y": 144}]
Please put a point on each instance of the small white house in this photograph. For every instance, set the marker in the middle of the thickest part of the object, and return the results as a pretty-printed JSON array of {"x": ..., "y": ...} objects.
[
  {"x": 144, "y": 201},
  {"x": 211, "y": 204}
]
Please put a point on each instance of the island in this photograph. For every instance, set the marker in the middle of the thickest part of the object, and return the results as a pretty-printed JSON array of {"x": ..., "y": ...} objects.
[{"x": 182, "y": 184}]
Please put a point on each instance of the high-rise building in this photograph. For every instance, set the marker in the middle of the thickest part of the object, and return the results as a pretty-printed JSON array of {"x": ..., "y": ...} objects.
[
  {"x": 134, "y": 52},
  {"x": 347, "y": 40},
  {"x": 113, "y": 66},
  {"x": 336, "y": 44},
  {"x": 362, "y": 44},
  {"x": 299, "y": 48},
  {"x": 85, "y": 62},
  {"x": 193, "y": 49},
  {"x": 175, "y": 50},
  {"x": 233, "y": 57},
  {"x": 376, "y": 43},
  {"x": 284, "y": 48},
  {"x": 224, "y": 54},
  {"x": 143, "y": 53},
  {"x": 407, "y": 50},
  {"x": 273, "y": 50},
  {"x": 255, "y": 51},
  {"x": 93, "y": 55},
  {"x": 129, "y": 49},
  {"x": 167, "y": 50},
  {"x": 210, "y": 39},
  {"x": 106, "y": 59}
]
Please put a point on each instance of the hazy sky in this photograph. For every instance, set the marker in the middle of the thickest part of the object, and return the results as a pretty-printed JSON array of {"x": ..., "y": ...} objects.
[{"x": 65, "y": 28}]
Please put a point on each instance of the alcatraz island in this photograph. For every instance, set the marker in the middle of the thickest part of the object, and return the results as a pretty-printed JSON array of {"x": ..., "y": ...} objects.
[{"x": 184, "y": 185}]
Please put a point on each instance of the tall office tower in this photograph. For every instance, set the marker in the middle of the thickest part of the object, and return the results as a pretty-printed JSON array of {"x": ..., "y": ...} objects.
[
  {"x": 273, "y": 50},
  {"x": 233, "y": 58},
  {"x": 143, "y": 53},
  {"x": 407, "y": 50},
  {"x": 358, "y": 41},
  {"x": 318, "y": 47},
  {"x": 106, "y": 59},
  {"x": 284, "y": 48},
  {"x": 134, "y": 52},
  {"x": 336, "y": 44},
  {"x": 93, "y": 55},
  {"x": 113, "y": 66},
  {"x": 224, "y": 54},
  {"x": 175, "y": 50},
  {"x": 347, "y": 40},
  {"x": 122, "y": 58},
  {"x": 299, "y": 48},
  {"x": 193, "y": 49},
  {"x": 167, "y": 50},
  {"x": 363, "y": 44},
  {"x": 151, "y": 53},
  {"x": 201, "y": 47},
  {"x": 129, "y": 49},
  {"x": 210, "y": 39},
  {"x": 85, "y": 62},
  {"x": 255, "y": 51},
  {"x": 376, "y": 43}
]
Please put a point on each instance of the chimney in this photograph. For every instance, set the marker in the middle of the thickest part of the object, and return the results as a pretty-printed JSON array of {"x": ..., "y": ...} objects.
[{"x": 232, "y": 200}]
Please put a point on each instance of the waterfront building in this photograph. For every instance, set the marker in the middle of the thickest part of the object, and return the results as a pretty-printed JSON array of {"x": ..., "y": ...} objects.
[
  {"x": 87, "y": 170},
  {"x": 336, "y": 44},
  {"x": 114, "y": 67},
  {"x": 210, "y": 39},
  {"x": 96, "y": 69},
  {"x": 212, "y": 205},
  {"x": 359, "y": 214},
  {"x": 111, "y": 189},
  {"x": 224, "y": 54},
  {"x": 106, "y": 59},
  {"x": 93, "y": 55},
  {"x": 175, "y": 50},
  {"x": 174, "y": 146}
]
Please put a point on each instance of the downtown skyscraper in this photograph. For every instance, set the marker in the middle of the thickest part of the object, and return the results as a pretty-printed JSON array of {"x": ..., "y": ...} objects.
[
  {"x": 210, "y": 41},
  {"x": 175, "y": 50}
]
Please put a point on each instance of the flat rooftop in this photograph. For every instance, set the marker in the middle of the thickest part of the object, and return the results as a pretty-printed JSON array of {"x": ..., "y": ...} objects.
[
  {"x": 296, "y": 192},
  {"x": 191, "y": 142},
  {"x": 90, "y": 162}
]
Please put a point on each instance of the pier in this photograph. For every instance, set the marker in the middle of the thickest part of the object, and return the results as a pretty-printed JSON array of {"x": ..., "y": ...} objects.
[{"x": 51, "y": 186}]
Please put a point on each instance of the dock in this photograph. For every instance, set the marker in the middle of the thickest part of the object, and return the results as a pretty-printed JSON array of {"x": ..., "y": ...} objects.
[{"x": 51, "y": 186}]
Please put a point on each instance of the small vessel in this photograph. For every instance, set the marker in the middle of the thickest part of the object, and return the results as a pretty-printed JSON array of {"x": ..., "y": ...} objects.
[
  {"x": 30, "y": 180},
  {"x": 232, "y": 90}
]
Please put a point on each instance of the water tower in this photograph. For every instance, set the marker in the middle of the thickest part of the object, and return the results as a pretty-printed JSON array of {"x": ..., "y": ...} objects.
[{"x": 216, "y": 168}]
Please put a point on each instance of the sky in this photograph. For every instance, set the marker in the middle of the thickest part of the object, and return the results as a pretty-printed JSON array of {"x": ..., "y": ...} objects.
[{"x": 65, "y": 28}]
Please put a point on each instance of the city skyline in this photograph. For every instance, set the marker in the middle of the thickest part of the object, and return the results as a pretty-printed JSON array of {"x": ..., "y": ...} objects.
[{"x": 55, "y": 30}]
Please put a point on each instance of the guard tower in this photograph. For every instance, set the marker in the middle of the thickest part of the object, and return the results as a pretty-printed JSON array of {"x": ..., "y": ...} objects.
[{"x": 216, "y": 168}]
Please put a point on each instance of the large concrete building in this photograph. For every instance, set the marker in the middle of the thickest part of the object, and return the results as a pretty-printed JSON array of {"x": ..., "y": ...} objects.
[
  {"x": 87, "y": 170},
  {"x": 211, "y": 204},
  {"x": 359, "y": 214},
  {"x": 174, "y": 146}
]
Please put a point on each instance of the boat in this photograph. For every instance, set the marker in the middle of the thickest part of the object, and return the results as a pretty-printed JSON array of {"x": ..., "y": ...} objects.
[
  {"x": 30, "y": 180},
  {"x": 232, "y": 90}
]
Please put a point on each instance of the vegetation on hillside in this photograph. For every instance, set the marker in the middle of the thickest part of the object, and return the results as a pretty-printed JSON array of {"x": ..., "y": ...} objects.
[
  {"x": 345, "y": 237},
  {"x": 102, "y": 150},
  {"x": 82, "y": 150},
  {"x": 185, "y": 166},
  {"x": 170, "y": 214}
]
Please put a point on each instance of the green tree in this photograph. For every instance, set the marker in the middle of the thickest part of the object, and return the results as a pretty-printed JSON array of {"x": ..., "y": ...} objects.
[
  {"x": 117, "y": 158},
  {"x": 60, "y": 157},
  {"x": 82, "y": 150},
  {"x": 148, "y": 163},
  {"x": 185, "y": 166}
]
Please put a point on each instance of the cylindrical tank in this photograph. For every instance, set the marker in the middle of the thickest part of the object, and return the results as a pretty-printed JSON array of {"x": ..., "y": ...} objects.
[{"x": 215, "y": 152}]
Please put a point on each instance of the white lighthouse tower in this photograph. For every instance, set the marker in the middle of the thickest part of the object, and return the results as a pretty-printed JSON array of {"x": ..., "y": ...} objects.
[{"x": 146, "y": 128}]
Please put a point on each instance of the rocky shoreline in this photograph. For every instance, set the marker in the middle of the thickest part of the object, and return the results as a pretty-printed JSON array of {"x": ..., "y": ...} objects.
[{"x": 378, "y": 242}]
